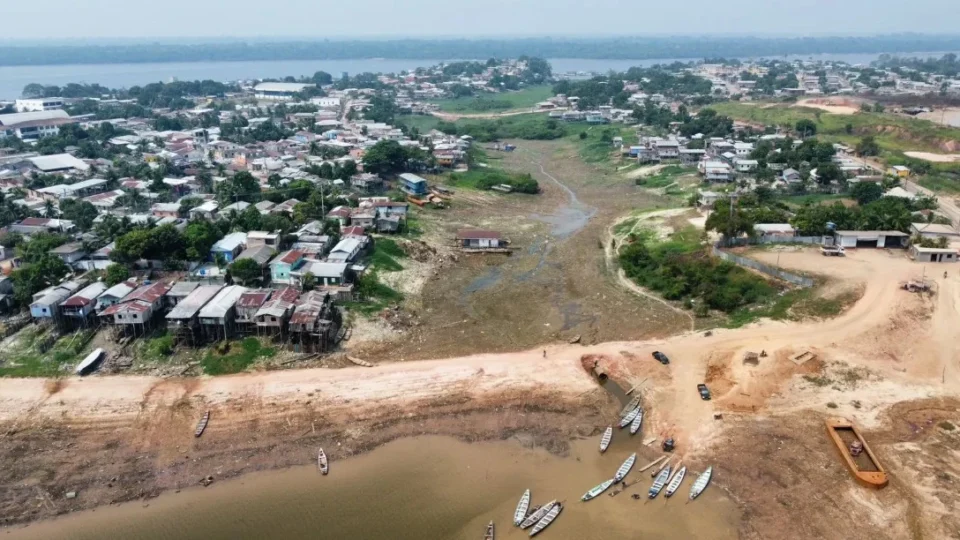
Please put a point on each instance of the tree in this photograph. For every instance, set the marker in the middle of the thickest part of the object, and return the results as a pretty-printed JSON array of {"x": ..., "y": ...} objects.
[
  {"x": 46, "y": 271},
  {"x": 116, "y": 273},
  {"x": 199, "y": 237},
  {"x": 322, "y": 78},
  {"x": 38, "y": 246},
  {"x": 730, "y": 224},
  {"x": 868, "y": 146},
  {"x": 82, "y": 213},
  {"x": 866, "y": 192},
  {"x": 385, "y": 157},
  {"x": 806, "y": 128},
  {"x": 308, "y": 282},
  {"x": 381, "y": 109},
  {"x": 241, "y": 187},
  {"x": 829, "y": 173},
  {"x": 246, "y": 271}
]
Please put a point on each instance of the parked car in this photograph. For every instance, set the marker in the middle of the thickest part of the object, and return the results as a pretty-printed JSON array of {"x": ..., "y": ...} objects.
[
  {"x": 660, "y": 357},
  {"x": 704, "y": 392}
]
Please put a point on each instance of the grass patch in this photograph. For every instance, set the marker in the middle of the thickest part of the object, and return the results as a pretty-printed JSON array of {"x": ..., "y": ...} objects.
[
  {"x": 24, "y": 359},
  {"x": 795, "y": 304},
  {"x": 375, "y": 295},
  {"x": 624, "y": 226},
  {"x": 385, "y": 255},
  {"x": 941, "y": 182},
  {"x": 665, "y": 177},
  {"x": 158, "y": 348},
  {"x": 818, "y": 380},
  {"x": 423, "y": 122},
  {"x": 597, "y": 147},
  {"x": 947, "y": 426},
  {"x": 492, "y": 103},
  {"x": 486, "y": 178},
  {"x": 811, "y": 198},
  {"x": 234, "y": 357}
]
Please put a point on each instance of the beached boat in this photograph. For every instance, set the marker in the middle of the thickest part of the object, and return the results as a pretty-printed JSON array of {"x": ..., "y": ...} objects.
[
  {"x": 633, "y": 404},
  {"x": 89, "y": 363},
  {"x": 700, "y": 483},
  {"x": 322, "y": 462},
  {"x": 522, "y": 507},
  {"x": 202, "y": 424},
  {"x": 625, "y": 468},
  {"x": 659, "y": 482},
  {"x": 675, "y": 482},
  {"x": 626, "y": 420},
  {"x": 660, "y": 468},
  {"x": 652, "y": 463},
  {"x": 547, "y": 519},
  {"x": 605, "y": 440},
  {"x": 538, "y": 514},
  {"x": 637, "y": 422},
  {"x": 595, "y": 492},
  {"x": 359, "y": 362},
  {"x": 489, "y": 534},
  {"x": 856, "y": 453}
]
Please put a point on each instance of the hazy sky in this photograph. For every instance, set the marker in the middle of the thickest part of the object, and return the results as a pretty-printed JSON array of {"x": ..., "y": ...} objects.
[{"x": 470, "y": 18}]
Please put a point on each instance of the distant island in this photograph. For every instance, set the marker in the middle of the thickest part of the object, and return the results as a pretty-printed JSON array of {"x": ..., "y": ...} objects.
[{"x": 632, "y": 48}]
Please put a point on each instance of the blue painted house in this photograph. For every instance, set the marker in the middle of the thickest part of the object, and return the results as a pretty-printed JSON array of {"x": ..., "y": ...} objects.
[
  {"x": 229, "y": 246},
  {"x": 412, "y": 184},
  {"x": 284, "y": 264}
]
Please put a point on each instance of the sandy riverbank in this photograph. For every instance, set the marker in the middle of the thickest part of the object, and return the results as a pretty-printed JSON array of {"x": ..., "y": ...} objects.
[{"x": 890, "y": 363}]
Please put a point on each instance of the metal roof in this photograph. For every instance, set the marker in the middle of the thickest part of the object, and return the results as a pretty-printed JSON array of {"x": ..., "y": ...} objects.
[
  {"x": 189, "y": 306},
  {"x": 225, "y": 299},
  {"x": 58, "y": 161},
  {"x": 464, "y": 234},
  {"x": 308, "y": 308},
  {"x": 148, "y": 293},
  {"x": 230, "y": 242},
  {"x": 254, "y": 298},
  {"x": 289, "y": 257},
  {"x": 281, "y": 87},
  {"x": 183, "y": 288},
  {"x": 326, "y": 269},
  {"x": 260, "y": 254},
  {"x": 281, "y": 301},
  {"x": 87, "y": 295},
  {"x": 119, "y": 290}
]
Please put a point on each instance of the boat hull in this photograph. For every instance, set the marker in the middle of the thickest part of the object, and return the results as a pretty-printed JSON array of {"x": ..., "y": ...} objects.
[{"x": 838, "y": 429}]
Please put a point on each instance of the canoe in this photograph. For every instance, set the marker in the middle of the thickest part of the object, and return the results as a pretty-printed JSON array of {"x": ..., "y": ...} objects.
[
  {"x": 605, "y": 440},
  {"x": 595, "y": 492},
  {"x": 359, "y": 362},
  {"x": 322, "y": 462},
  {"x": 675, "y": 482},
  {"x": 660, "y": 468},
  {"x": 522, "y": 506},
  {"x": 659, "y": 482},
  {"x": 637, "y": 422},
  {"x": 700, "y": 483},
  {"x": 535, "y": 517},
  {"x": 633, "y": 404},
  {"x": 533, "y": 510},
  {"x": 489, "y": 533},
  {"x": 626, "y": 420},
  {"x": 202, "y": 424},
  {"x": 89, "y": 362},
  {"x": 547, "y": 519},
  {"x": 625, "y": 468}
]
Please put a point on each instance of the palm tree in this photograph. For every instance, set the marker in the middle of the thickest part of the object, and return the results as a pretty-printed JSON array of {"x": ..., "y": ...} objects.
[{"x": 49, "y": 209}]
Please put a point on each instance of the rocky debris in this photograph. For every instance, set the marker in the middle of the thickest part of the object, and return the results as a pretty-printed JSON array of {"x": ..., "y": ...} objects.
[
  {"x": 206, "y": 481},
  {"x": 71, "y": 495},
  {"x": 398, "y": 318},
  {"x": 418, "y": 250}
]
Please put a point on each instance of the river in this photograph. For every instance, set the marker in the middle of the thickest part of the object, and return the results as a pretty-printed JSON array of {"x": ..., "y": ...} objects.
[
  {"x": 14, "y": 78},
  {"x": 417, "y": 488}
]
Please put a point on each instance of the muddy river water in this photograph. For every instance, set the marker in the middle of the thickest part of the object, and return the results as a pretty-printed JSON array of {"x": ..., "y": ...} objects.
[{"x": 418, "y": 488}]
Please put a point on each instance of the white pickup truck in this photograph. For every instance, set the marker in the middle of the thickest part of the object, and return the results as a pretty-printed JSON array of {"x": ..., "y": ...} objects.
[{"x": 832, "y": 251}]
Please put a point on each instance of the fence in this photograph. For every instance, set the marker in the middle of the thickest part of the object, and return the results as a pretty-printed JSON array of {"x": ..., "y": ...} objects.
[
  {"x": 765, "y": 268},
  {"x": 819, "y": 240}
]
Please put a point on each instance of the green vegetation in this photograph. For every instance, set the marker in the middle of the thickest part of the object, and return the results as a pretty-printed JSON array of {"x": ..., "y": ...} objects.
[
  {"x": 681, "y": 269},
  {"x": 794, "y": 304},
  {"x": 29, "y": 356},
  {"x": 374, "y": 294},
  {"x": 420, "y": 122},
  {"x": 487, "y": 178},
  {"x": 227, "y": 357},
  {"x": 893, "y": 134},
  {"x": 385, "y": 255},
  {"x": 945, "y": 182},
  {"x": 520, "y": 99},
  {"x": 158, "y": 348},
  {"x": 665, "y": 177},
  {"x": 521, "y": 126},
  {"x": 596, "y": 142}
]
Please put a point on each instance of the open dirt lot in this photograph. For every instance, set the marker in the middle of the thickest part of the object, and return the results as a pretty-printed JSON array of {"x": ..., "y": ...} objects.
[
  {"x": 936, "y": 158},
  {"x": 890, "y": 363},
  {"x": 553, "y": 287},
  {"x": 831, "y": 105}
]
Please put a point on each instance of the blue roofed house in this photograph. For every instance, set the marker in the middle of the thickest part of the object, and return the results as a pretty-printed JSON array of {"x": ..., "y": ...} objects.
[
  {"x": 412, "y": 184},
  {"x": 229, "y": 246}
]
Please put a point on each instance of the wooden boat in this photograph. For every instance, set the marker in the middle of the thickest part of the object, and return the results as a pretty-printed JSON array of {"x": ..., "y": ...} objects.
[
  {"x": 596, "y": 491},
  {"x": 533, "y": 510},
  {"x": 675, "y": 482},
  {"x": 89, "y": 363},
  {"x": 202, "y": 424},
  {"x": 359, "y": 362},
  {"x": 659, "y": 482},
  {"x": 626, "y": 420},
  {"x": 652, "y": 463},
  {"x": 522, "y": 506},
  {"x": 547, "y": 519},
  {"x": 625, "y": 468},
  {"x": 537, "y": 515},
  {"x": 322, "y": 462},
  {"x": 605, "y": 440},
  {"x": 489, "y": 534},
  {"x": 633, "y": 404},
  {"x": 864, "y": 466},
  {"x": 700, "y": 483},
  {"x": 637, "y": 422},
  {"x": 660, "y": 468}
]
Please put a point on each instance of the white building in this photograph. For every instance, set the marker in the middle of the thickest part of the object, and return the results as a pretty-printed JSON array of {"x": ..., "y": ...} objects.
[
  {"x": 279, "y": 91},
  {"x": 30, "y": 126},
  {"x": 39, "y": 104}
]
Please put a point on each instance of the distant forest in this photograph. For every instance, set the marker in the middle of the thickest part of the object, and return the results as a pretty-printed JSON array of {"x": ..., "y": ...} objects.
[{"x": 638, "y": 48}]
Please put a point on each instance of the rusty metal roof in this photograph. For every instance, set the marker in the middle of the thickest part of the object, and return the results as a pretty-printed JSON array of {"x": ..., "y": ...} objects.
[
  {"x": 148, "y": 293},
  {"x": 253, "y": 299}
]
